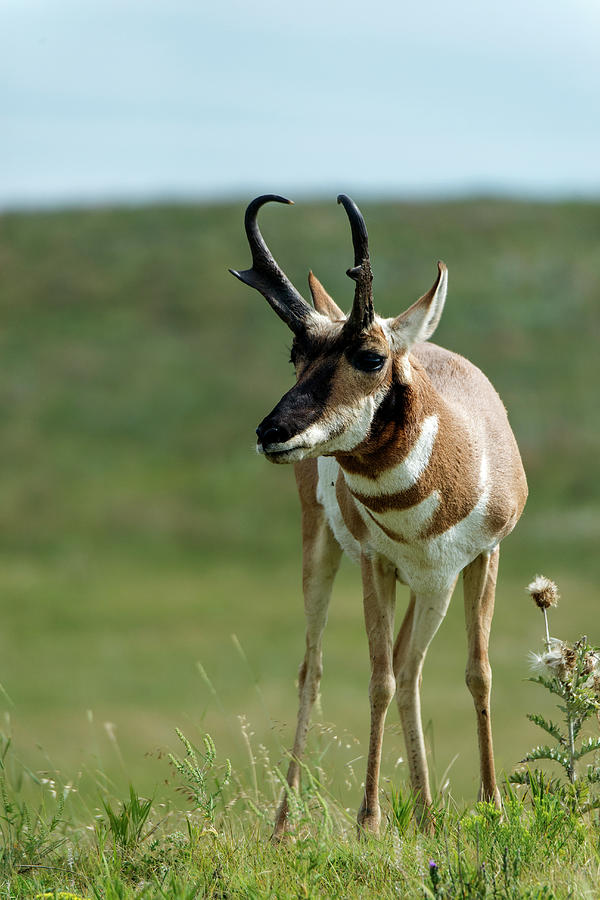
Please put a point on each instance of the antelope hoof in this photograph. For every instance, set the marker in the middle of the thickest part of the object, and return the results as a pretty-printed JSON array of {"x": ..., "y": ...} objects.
[
  {"x": 492, "y": 796},
  {"x": 368, "y": 821},
  {"x": 280, "y": 829},
  {"x": 280, "y": 835}
]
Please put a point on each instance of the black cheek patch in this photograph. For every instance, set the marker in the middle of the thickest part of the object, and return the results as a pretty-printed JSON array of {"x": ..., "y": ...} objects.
[
  {"x": 305, "y": 403},
  {"x": 317, "y": 384}
]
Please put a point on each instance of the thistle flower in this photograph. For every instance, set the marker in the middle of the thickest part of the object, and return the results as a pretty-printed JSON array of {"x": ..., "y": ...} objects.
[
  {"x": 558, "y": 660},
  {"x": 544, "y": 592}
]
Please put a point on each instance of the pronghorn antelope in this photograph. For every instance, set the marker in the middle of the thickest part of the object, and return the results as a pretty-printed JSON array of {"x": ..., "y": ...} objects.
[{"x": 405, "y": 459}]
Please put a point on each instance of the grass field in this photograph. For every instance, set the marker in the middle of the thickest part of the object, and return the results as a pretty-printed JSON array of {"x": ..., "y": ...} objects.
[{"x": 139, "y": 531}]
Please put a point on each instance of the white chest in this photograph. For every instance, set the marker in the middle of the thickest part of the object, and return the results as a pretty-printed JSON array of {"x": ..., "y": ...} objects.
[{"x": 424, "y": 563}]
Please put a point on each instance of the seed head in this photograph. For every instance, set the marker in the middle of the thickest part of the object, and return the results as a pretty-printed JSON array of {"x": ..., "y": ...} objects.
[
  {"x": 558, "y": 660},
  {"x": 555, "y": 661},
  {"x": 544, "y": 592}
]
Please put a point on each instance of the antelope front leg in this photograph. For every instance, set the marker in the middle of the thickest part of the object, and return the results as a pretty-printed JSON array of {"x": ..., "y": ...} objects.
[
  {"x": 479, "y": 583},
  {"x": 321, "y": 558},
  {"x": 379, "y": 588},
  {"x": 423, "y": 618}
]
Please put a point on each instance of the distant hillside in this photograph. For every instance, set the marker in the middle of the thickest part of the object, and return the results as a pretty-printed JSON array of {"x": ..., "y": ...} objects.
[{"x": 135, "y": 368}]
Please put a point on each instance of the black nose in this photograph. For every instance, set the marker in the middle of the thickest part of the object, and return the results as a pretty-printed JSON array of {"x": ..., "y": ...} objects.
[{"x": 272, "y": 434}]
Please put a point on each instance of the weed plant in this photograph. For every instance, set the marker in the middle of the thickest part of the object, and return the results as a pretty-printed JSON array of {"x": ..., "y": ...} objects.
[{"x": 571, "y": 673}]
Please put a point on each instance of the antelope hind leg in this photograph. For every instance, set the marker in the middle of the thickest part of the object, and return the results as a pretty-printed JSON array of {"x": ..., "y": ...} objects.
[
  {"x": 423, "y": 618},
  {"x": 479, "y": 584}
]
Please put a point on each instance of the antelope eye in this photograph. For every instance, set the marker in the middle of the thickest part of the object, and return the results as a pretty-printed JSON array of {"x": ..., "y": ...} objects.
[{"x": 368, "y": 361}]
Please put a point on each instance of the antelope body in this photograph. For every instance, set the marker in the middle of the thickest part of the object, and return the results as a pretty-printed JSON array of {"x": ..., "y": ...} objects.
[{"x": 405, "y": 459}]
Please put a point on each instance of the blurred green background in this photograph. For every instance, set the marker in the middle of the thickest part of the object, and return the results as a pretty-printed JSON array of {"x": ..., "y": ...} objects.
[{"x": 139, "y": 530}]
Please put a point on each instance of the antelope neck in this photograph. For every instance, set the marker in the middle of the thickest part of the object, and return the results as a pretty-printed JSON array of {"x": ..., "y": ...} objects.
[
  {"x": 395, "y": 435},
  {"x": 426, "y": 463}
]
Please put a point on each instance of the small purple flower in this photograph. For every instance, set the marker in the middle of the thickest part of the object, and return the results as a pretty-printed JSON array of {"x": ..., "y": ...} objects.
[{"x": 434, "y": 874}]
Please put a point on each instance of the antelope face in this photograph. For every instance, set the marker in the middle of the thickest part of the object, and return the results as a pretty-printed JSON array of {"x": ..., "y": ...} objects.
[
  {"x": 339, "y": 385},
  {"x": 344, "y": 364}
]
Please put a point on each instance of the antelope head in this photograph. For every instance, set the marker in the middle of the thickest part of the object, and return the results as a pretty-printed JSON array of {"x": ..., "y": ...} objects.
[{"x": 345, "y": 365}]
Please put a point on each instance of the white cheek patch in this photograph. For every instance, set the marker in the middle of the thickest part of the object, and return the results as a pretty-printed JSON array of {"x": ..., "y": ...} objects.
[
  {"x": 406, "y": 474},
  {"x": 345, "y": 429}
]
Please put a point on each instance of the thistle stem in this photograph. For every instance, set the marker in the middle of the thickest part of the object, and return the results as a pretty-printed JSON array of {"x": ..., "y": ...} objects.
[
  {"x": 547, "y": 631},
  {"x": 571, "y": 772}
]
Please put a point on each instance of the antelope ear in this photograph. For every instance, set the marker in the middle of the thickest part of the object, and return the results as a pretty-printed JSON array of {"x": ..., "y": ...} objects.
[
  {"x": 324, "y": 304},
  {"x": 420, "y": 320}
]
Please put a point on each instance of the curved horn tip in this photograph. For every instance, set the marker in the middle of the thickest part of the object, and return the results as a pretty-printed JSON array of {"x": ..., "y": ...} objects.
[
  {"x": 442, "y": 267},
  {"x": 278, "y": 199},
  {"x": 259, "y": 201}
]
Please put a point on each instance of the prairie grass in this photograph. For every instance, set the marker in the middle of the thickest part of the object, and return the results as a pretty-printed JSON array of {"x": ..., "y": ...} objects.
[{"x": 55, "y": 843}]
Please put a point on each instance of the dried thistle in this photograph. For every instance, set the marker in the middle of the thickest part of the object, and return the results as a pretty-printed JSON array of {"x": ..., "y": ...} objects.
[
  {"x": 558, "y": 660},
  {"x": 572, "y": 673},
  {"x": 544, "y": 592}
]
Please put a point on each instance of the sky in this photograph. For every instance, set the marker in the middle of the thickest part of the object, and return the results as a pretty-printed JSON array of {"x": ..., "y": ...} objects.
[{"x": 135, "y": 100}]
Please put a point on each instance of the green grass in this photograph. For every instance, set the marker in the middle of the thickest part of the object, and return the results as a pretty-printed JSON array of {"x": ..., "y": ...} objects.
[
  {"x": 139, "y": 531},
  {"x": 55, "y": 844}
]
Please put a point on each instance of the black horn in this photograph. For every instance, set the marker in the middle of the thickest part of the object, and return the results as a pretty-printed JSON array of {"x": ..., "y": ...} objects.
[
  {"x": 362, "y": 314},
  {"x": 266, "y": 276}
]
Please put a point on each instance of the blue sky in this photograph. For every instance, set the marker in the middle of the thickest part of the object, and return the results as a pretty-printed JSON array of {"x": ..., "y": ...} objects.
[{"x": 135, "y": 99}]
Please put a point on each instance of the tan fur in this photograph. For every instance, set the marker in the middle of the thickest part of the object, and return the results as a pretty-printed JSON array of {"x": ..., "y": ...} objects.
[
  {"x": 379, "y": 597},
  {"x": 464, "y": 386},
  {"x": 479, "y": 582}
]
